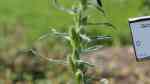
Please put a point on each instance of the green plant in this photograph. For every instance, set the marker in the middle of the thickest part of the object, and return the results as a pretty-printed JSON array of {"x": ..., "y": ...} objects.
[{"x": 78, "y": 39}]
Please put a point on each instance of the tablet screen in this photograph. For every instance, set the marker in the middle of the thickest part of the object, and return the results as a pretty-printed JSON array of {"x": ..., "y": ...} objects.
[{"x": 140, "y": 29}]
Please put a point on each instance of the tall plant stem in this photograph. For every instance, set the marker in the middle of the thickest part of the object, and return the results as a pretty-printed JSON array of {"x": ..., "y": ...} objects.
[{"x": 75, "y": 41}]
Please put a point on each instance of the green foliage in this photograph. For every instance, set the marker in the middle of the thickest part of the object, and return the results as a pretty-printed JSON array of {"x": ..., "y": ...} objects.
[{"x": 79, "y": 41}]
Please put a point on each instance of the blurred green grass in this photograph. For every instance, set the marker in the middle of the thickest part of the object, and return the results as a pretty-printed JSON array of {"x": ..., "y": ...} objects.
[{"x": 38, "y": 15}]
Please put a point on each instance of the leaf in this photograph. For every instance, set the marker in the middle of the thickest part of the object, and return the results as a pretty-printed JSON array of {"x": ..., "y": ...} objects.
[
  {"x": 99, "y": 3},
  {"x": 104, "y": 23},
  {"x": 92, "y": 49},
  {"x": 99, "y": 7},
  {"x": 85, "y": 38},
  {"x": 28, "y": 52},
  {"x": 83, "y": 20},
  {"x": 102, "y": 38},
  {"x": 34, "y": 52},
  {"x": 82, "y": 65},
  {"x": 62, "y": 8},
  {"x": 75, "y": 37},
  {"x": 81, "y": 62},
  {"x": 110, "y": 25},
  {"x": 44, "y": 36},
  {"x": 55, "y": 33},
  {"x": 101, "y": 10},
  {"x": 96, "y": 40},
  {"x": 58, "y": 33},
  {"x": 61, "y": 35}
]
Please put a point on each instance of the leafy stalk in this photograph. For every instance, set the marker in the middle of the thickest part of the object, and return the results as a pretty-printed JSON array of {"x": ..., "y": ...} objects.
[
  {"x": 77, "y": 38},
  {"x": 79, "y": 41}
]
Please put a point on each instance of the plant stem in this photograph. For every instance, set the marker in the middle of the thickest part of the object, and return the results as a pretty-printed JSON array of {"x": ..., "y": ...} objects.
[{"x": 76, "y": 44}]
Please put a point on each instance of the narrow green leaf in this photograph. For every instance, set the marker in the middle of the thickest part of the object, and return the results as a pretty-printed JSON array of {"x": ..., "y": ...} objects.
[
  {"x": 92, "y": 49},
  {"x": 65, "y": 36},
  {"x": 85, "y": 38},
  {"x": 99, "y": 3},
  {"x": 103, "y": 23},
  {"x": 62, "y": 8},
  {"x": 81, "y": 62},
  {"x": 97, "y": 38}
]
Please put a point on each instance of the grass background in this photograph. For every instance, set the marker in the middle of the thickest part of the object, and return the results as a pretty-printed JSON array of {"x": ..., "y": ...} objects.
[{"x": 38, "y": 15}]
